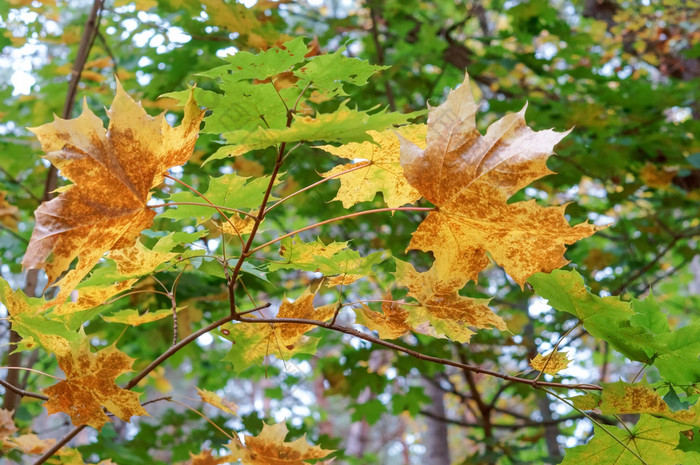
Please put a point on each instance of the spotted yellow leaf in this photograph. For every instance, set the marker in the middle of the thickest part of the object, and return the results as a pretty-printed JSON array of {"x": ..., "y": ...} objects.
[
  {"x": 113, "y": 171},
  {"x": 552, "y": 363},
  {"x": 470, "y": 178}
]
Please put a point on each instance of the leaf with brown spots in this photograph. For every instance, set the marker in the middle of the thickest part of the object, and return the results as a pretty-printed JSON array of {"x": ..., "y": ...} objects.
[
  {"x": 269, "y": 448},
  {"x": 379, "y": 172},
  {"x": 9, "y": 214},
  {"x": 391, "y": 324},
  {"x": 302, "y": 307},
  {"x": 448, "y": 312},
  {"x": 470, "y": 178},
  {"x": 552, "y": 363},
  {"x": 90, "y": 385},
  {"x": 113, "y": 171}
]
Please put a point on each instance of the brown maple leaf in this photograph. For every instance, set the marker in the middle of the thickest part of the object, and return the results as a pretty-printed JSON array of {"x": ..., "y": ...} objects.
[
  {"x": 113, "y": 171},
  {"x": 90, "y": 385},
  {"x": 470, "y": 178},
  {"x": 302, "y": 307},
  {"x": 270, "y": 448}
]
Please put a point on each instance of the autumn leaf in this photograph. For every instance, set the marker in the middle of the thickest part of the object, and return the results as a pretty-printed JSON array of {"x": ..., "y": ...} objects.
[
  {"x": 30, "y": 443},
  {"x": 132, "y": 317},
  {"x": 9, "y": 214},
  {"x": 90, "y": 385},
  {"x": 552, "y": 363},
  {"x": 380, "y": 172},
  {"x": 206, "y": 458},
  {"x": 113, "y": 171},
  {"x": 391, "y": 324},
  {"x": 301, "y": 255},
  {"x": 269, "y": 448},
  {"x": 449, "y": 313},
  {"x": 470, "y": 178},
  {"x": 217, "y": 401},
  {"x": 302, "y": 307}
]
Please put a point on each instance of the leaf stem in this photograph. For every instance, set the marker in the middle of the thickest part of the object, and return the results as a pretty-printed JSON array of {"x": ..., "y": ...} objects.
[
  {"x": 311, "y": 186},
  {"x": 341, "y": 218},
  {"x": 221, "y": 207}
]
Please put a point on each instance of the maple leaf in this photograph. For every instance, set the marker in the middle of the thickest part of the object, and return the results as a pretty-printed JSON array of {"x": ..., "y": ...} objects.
[
  {"x": 301, "y": 255},
  {"x": 132, "y": 317},
  {"x": 90, "y": 385},
  {"x": 470, "y": 178},
  {"x": 380, "y": 172},
  {"x": 449, "y": 313},
  {"x": 552, "y": 363},
  {"x": 206, "y": 458},
  {"x": 269, "y": 448},
  {"x": 113, "y": 171},
  {"x": 302, "y": 307},
  {"x": 391, "y": 324},
  {"x": 655, "y": 440},
  {"x": 7, "y": 424},
  {"x": 217, "y": 401}
]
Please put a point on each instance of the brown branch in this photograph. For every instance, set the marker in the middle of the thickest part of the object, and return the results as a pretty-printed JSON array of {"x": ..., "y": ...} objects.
[
  {"x": 418, "y": 355},
  {"x": 484, "y": 410},
  {"x": 513, "y": 426},
  {"x": 174, "y": 349},
  {"x": 22, "y": 392},
  {"x": 56, "y": 447},
  {"x": 374, "y": 16}
]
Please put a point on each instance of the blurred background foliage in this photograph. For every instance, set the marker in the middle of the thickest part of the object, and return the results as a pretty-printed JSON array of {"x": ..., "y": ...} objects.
[{"x": 625, "y": 75}]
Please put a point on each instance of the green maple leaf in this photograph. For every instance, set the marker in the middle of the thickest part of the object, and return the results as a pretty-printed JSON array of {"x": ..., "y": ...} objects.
[
  {"x": 229, "y": 190},
  {"x": 637, "y": 329},
  {"x": 300, "y": 255},
  {"x": 654, "y": 440}
]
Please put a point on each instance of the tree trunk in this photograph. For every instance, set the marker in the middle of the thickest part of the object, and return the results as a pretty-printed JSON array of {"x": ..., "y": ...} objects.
[{"x": 437, "y": 450}]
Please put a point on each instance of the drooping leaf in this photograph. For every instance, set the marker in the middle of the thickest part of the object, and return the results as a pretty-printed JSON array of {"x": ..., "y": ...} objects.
[
  {"x": 655, "y": 440},
  {"x": 470, "y": 178},
  {"x": 449, "y": 313},
  {"x": 217, "y": 401},
  {"x": 381, "y": 172},
  {"x": 90, "y": 385},
  {"x": 302, "y": 307},
  {"x": 270, "y": 448},
  {"x": 113, "y": 171},
  {"x": 391, "y": 324},
  {"x": 552, "y": 363}
]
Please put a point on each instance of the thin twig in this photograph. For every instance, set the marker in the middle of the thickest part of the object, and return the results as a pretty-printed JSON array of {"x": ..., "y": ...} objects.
[
  {"x": 22, "y": 392},
  {"x": 340, "y": 218},
  {"x": 56, "y": 447}
]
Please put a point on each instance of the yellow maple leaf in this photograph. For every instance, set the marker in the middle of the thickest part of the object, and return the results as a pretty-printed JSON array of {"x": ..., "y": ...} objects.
[
  {"x": 138, "y": 260},
  {"x": 302, "y": 307},
  {"x": 389, "y": 325},
  {"x": 449, "y": 313},
  {"x": 269, "y": 448},
  {"x": 206, "y": 458},
  {"x": 217, "y": 401},
  {"x": 656, "y": 177},
  {"x": 380, "y": 172},
  {"x": 113, "y": 171},
  {"x": 552, "y": 363},
  {"x": 470, "y": 178},
  {"x": 90, "y": 385}
]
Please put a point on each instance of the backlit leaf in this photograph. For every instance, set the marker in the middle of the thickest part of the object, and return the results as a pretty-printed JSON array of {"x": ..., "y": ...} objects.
[
  {"x": 391, "y": 324},
  {"x": 552, "y": 363},
  {"x": 380, "y": 172},
  {"x": 113, "y": 171},
  {"x": 217, "y": 401},
  {"x": 470, "y": 178}
]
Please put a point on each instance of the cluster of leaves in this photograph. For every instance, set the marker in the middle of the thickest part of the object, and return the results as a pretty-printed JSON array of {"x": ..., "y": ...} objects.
[{"x": 239, "y": 231}]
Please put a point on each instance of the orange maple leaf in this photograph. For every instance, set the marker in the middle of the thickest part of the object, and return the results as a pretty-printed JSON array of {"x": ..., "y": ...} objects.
[
  {"x": 270, "y": 448},
  {"x": 470, "y": 178},
  {"x": 90, "y": 385},
  {"x": 113, "y": 171}
]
